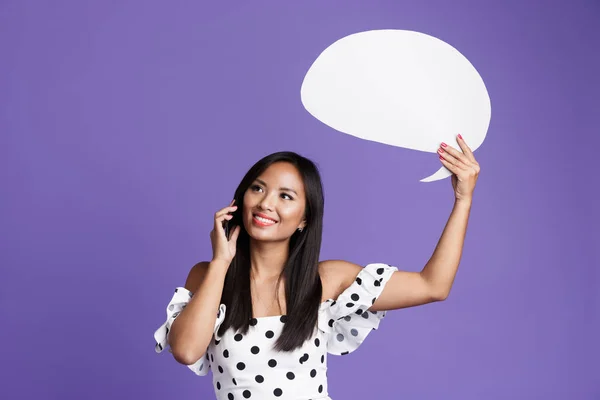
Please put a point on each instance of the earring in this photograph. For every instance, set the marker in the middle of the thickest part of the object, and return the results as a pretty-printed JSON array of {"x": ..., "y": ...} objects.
[{"x": 300, "y": 229}]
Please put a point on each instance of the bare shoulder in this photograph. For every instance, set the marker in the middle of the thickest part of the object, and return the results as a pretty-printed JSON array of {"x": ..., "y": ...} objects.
[
  {"x": 196, "y": 276},
  {"x": 336, "y": 276}
]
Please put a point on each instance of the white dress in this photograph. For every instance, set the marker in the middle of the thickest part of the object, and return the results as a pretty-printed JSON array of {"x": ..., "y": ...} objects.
[{"x": 246, "y": 366}]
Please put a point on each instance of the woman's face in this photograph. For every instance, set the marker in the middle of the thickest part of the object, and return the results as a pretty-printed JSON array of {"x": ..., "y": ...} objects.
[{"x": 274, "y": 203}]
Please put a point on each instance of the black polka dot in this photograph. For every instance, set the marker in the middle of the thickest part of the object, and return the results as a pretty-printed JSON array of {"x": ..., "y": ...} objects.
[
  {"x": 238, "y": 337},
  {"x": 358, "y": 280},
  {"x": 377, "y": 283},
  {"x": 259, "y": 379},
  {"x": 355, "y": 297},
  {"x": 272, "y": 363},
  {"x": 283, "y": 318},
  {"x": 217, "y": 342},
  {"x": 234, "y": 382},
  {"x": 254, "y": 349},
  {"x": 340, "y": 337},
  {"x": 290, "y": 375},
  {"x": 347, "y": 318},
  {"x": 218, "y": 386},
  {"x": 253, "y": 321},
  {"x": 230, "y": 396},
  {"x": 226, "y": 353},
  {"x": 220, "y": 369},
  {"x": 317, "y": 342},
  {"x": 344, "y": 353},
  {"x": 320, "y": 388},
  {"x": 353, "y": 332},
  {"x": 333, "y": 303},
  {"x": 269, "y": 334},
  {"x": 247, "y": 394},
  {"x": 365, "y": 315},
  {"x": 313, "y": 373},
  {"x": 373, "y": 301},
  {"x": 380, "y": 271},
  {"x": 212, "y": 358},
  {"x": 241, "y": 366},
  {"x": 322, "y": 359},
  {"x": 349, "y": 305},
  {"x": 331, "y": 321},
  {"x": 359, "y": 311},
  {"x": 277, "y": 392},
  {"x": 304, "y": 358}
]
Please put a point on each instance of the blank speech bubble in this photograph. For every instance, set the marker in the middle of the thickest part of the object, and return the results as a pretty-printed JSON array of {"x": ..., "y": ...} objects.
[{"x": 401, "y": 88}]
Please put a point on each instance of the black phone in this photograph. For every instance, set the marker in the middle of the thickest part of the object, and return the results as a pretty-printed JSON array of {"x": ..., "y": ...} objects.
[{"x": 226, "y": 228}]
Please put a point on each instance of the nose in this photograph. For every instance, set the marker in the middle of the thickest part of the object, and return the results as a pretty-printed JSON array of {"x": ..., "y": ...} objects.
[{"x": 265, "y": 203}]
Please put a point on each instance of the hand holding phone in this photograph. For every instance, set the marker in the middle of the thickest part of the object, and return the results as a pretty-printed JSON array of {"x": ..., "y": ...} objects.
[{"x": 224, "y": 234}]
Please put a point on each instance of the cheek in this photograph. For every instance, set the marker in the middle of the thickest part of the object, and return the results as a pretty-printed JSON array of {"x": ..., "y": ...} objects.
[{"x": 293, "y": 214}]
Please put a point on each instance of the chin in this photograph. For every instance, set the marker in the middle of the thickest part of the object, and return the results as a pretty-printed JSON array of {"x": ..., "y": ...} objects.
[{"x": 262, "y": 236}]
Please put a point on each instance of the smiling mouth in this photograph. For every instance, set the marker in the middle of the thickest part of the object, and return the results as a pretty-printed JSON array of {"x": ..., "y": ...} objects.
[{"x": 263, "y": 221}]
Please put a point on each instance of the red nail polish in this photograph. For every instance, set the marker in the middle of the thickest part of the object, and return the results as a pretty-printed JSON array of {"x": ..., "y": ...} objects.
[
  {"x": 441, "y": 150},
  {"x": 459, "y": 136},
  {"x": 444, "y": 144}
]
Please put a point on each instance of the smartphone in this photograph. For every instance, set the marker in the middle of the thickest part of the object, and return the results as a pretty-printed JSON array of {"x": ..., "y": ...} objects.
[
  {"x": 226, "y": 228},
  {"x": 228, "y": 225}
]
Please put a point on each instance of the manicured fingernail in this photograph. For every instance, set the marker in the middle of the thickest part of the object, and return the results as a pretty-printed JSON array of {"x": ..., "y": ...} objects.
[
  {"x": 444, "y": 144},
  {"x": 441, "y": 150},
  {"x": 460, "y": 137},
  {"x": 442, "y": 158}
]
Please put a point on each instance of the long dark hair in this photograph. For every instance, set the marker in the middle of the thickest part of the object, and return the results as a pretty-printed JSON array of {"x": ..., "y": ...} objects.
[{"x": 303, "y": 288}]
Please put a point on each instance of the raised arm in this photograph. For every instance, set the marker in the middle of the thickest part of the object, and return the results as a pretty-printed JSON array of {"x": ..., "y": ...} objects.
[{"x": 435, "y": 280}]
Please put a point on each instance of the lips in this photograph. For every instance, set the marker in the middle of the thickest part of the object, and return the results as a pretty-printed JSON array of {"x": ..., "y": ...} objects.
[{"x": 262, "y": 219}]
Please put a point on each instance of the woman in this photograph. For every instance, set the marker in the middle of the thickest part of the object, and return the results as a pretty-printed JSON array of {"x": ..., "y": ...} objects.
[{"x": 264, "y": 312}]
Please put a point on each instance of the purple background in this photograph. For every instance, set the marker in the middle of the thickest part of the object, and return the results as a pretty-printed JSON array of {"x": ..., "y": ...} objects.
[{"x": 125, "y": 125}]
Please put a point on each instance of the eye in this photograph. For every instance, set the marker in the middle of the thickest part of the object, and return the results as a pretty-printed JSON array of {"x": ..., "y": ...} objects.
[
  {"x": 255, "y": 188},
  {"x": 284, "y": 195}
]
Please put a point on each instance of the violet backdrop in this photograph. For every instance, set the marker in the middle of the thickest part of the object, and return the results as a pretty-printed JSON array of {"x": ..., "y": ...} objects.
[{"x": 125, "y": 125}]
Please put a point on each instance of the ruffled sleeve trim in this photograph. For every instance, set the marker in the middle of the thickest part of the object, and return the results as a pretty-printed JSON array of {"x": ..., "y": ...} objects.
[
  {"x": 178, "y": 302},
  {"x": 347, "y": 321}
]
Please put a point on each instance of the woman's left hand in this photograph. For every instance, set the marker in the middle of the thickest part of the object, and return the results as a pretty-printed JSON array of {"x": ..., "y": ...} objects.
[{"x": 464, "y": 168}]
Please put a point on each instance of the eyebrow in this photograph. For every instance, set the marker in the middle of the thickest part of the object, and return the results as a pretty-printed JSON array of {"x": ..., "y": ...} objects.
[{"x": 281, "y": 188}]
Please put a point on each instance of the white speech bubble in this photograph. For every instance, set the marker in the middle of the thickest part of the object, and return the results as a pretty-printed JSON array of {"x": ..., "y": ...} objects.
[{"x": 401, "y": 88}]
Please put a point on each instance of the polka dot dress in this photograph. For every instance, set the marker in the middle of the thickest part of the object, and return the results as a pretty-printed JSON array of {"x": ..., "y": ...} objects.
[{"x": 247, "y": 367}]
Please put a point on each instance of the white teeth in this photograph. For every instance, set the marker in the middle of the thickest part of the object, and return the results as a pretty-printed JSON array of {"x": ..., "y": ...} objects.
[{"x": 264, "y": 220}]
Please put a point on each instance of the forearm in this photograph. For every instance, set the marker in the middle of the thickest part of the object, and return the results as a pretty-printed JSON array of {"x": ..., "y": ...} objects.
[
  {"x": 192, "y": 330},
  {"x": 441, "y": 268}
]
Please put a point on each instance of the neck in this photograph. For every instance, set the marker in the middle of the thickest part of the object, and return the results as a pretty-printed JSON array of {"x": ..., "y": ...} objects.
[{"x": 267, "y": 259}]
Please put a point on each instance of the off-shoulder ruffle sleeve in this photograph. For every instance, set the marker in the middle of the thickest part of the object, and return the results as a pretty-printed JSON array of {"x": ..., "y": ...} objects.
[
  {"x": 180, "y": 299},
  {"x": 347, "y": 320}
]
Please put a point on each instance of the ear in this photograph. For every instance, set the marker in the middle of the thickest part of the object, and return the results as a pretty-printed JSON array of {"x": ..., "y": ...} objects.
[{"x": 302, "y": 224}]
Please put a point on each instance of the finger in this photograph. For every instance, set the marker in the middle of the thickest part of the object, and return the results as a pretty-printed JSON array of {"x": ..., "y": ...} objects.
[
  {"x": 219, "y": 221},
  {"x": 453, "y": 168},
  {"x": 225, "y": 211},
  {"x": 465, "y": 148},
  {"x": 449, "y": 156},
  {"x": 456, "y": 155}
]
